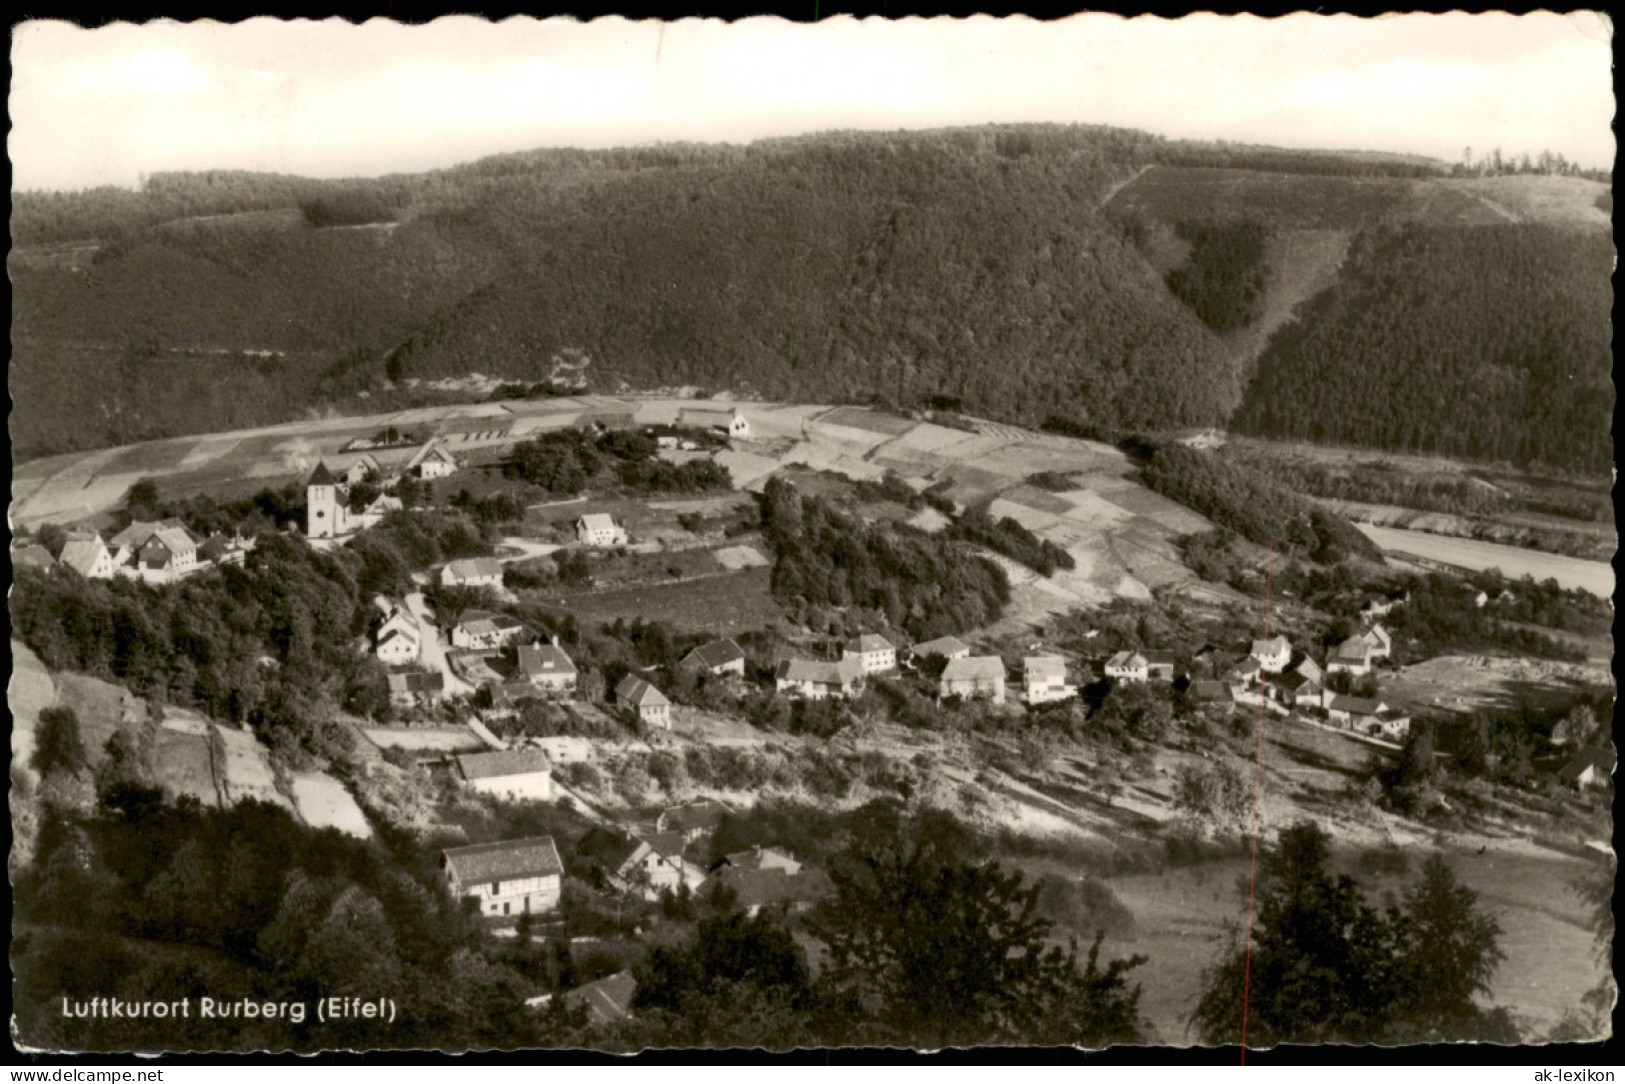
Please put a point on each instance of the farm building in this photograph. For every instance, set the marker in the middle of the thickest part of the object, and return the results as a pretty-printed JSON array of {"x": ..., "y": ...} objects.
[
  {"x": 816, "y": 680},
  {"x": 649, "y": 702},
  {"x": 1588, "y": 769},
  {"x": 1128, "y": 666},
  {"x": 473, "y": 572},
  {"x": 510, "y": 773},
  {"x": 1044, "y": 679},
  {"x": 1354, "y": 712},
  {"x": 974, "y": 677},
  {"x": 1382, "y": 644},
  {"x": 1214, "y": 694},
  {"x": 599, "y": 529},
  {"x": 873, "y": 652},
  {"x": 730, "y": 423},
  {"x": 1352, "y": 656},
  {"x": 1296, "y": 689},
  {"x": 482, "y": 630},
  {"x": 716, "y": 657},
  {"x": 512, "y": 877},
  {"x": 89, "y": 557},
  {"x": 546, "y": 666}
]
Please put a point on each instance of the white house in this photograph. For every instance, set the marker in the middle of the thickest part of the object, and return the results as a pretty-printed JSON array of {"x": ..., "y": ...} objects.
[
  {"x": 873, "y": 652},
  {"x": 432, "y": 461},
  {"x": 481, "y": 630},
  {"x": 363, "y": 469},
  {"x": 599, "y": 529},
  {"x": 398, "y": 646},
  {"x": 716, "y": 657},
  {"x": 472, "y": 572},
  {"x": 654, "y": 863},
  {"x": 89, "y": 557},
  {"x": 1588, "y": 768},
  {"x": 1128, "y": 666},
  {"x": 547, "y": 666},
  {"x": 974, "y": 677},
  {"x": 374, "y": 513},
  {"x": 512, "y": 877},
  {"x": 816, "y": 679},
  {"x": 1273, "y": 654},
  {"x": 510, "y": 773},
  {"x": 649, "y": 702},
  {"x": 1044, "y": 679},
  {"x": 729, "y": 422}
]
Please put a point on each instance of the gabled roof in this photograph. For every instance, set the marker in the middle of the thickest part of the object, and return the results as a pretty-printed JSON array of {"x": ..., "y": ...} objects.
[
  {"x": 1273, "y": 646},
  {"x": 944, "y": 646},
  {"x": 506, "y": 860},
  {"x": 433, "y": 450},
  {"x": 869, "y": 641},
  {"x": 607, "y": 1001},
  {"x": 597, "y": 521},
  {"x": 716, "y": 653},
  {"x": 974, "y": 668},
  {"x": 1294, "y": 680},
  {"x": 398, "y": 633},
  {"x": 1210, "y": 691},
  {"x": 473, "y": 567},
  {"x": 497, "y": 765},
  {"x": 757, "y": 858},
  {"x": 79, "y": 555},
  {"x": 544, "y": 659},
  {"x": 1354, "y": 648},
  {"x": 707, "y": 416},
  {"x": 820, "y": 672},
  {"x": 1354, "y": 705},
  {"x": 639, "y": 693},
  {"x": 1049, "y": 668},
  {"x": 1132, "y": 660},
  {"x": 321, "y": 476},
  {"x": 33, "y": 556},
  {"x": 1600, "y": 759}
]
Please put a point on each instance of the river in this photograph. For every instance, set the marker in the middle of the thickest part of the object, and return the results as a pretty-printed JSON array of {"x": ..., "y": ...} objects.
[{"x": 1513, "y": 561}]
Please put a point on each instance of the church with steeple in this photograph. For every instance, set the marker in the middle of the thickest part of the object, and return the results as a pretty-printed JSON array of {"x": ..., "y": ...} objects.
[{"x": 327, "y": 507}]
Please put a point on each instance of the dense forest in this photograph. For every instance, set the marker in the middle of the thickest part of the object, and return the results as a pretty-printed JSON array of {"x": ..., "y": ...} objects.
[{"x": 1492, "y": 343}]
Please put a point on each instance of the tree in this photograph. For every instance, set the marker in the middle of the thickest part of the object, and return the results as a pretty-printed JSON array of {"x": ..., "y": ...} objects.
[
  {"x": 57, "y": 744},
  {"x": 1447, "y": 953}
]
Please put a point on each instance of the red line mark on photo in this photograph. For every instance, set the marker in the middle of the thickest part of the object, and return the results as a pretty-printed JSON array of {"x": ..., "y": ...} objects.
[{"x": 1258, "y": 787}]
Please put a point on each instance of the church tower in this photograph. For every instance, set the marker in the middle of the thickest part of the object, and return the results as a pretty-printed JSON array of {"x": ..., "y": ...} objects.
[{"x": 324, "y": 510}]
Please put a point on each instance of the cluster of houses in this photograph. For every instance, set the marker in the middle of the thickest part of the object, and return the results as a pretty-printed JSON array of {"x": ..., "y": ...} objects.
[
  {"x": 155, "y": 552},
  {"x": 328, "y": 514}
]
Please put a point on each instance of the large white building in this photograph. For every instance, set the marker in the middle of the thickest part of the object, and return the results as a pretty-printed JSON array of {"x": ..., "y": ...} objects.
[
  {"x": 1044, "y": 679},
  {"x": 513, "y": 774},
  {"x": 599, "y": 529},
  {"x": 873, "y": 652}
]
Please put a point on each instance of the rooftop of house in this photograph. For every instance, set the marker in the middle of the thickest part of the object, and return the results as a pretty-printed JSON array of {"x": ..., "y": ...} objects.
[
  {"x": 716, "y": 653},
  {"x": 597, "y": 521},
  {"x": 712, "y": 415},
  {"x": 944, "y": 646},
  {"x": 427, "y": 681},
  {"x": 502, "y": 763},
  {"x": 1158, "y": 658},
  {"x": 544, "y": 659},
  {"x": 33, "y": 555},
  {"x": 700, "y": 813},
  {"x": 1131, "y": 659},
  {"x": 472, "y": 567},
  {"x": 404, "y": 635},
  {"x": 868, "y": 642},
  {"x": 1273, "y": 646},
  {"x": 1051, "y": 668},
  {"x": 756, "y": 857},
  {"x": 974, "y": 668},
  {"x": 1600, "y": 759},
  {"x": 1209, "y": 690},
  {"x": 820, "y": 671},
  {"x": 639, "y": 693},
  {"x": 1355, "y": 648},
  {"x": 608, "y": 1000},
  {"x": 507, "y": 859},
  {"x": 80, "y": 555},
  {"x": 1355, "y": 705}
]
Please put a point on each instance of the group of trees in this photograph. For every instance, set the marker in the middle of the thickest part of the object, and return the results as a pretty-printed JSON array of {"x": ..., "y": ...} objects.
[
  {"x": 1010, "y": 538},
  {"x": 567, "y": 461},
  {"x": 1253, "y": 505},
  {"x": 1418, "y": 348},
  {"x": 925, "y": 585},
  {"x": 1328, "y": 967},
  {"x": 1223, "y": 278}
]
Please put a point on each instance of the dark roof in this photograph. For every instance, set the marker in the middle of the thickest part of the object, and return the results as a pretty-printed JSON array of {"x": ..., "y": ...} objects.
[
  {"x": 321, "y": 476},
  {"x": 608, "y": 1000},
  {"x": 1292, "y": 681},
  {"x": 429, "y": 681},
  {"x": 496, "y": 765},
  {"x": 544, "y": 659},
  {"x": 1601, "y": 759},
  {"x": 716, "y": 653},
  {"x": 1210, "y": 690},
  {"x": 639, "y": 693},
  {"x": 504, "y": 860},
  {"x": 758, "y": 887},
  {"x": 700, "y": 813},
  {"x": 1354, "y": 705}
]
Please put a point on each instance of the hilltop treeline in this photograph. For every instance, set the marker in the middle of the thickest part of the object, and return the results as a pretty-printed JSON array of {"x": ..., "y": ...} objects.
[
  {"x": 1253, "y": 505},
  {"x": 1490, "y": 343},
  {"x": 825, "y": 558}
]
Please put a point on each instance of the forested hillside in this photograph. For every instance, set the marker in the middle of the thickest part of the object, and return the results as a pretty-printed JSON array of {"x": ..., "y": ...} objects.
[
  {"x": 1490, "y": 343},
  {"x": 1100, "y": 275}
]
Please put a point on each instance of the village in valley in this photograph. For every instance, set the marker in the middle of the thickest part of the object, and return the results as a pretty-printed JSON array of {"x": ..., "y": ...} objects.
[{"x": 535, "y": 673}]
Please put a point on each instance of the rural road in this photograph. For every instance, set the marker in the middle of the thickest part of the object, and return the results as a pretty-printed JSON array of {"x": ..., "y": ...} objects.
[
  {"x": 433, "y": 652},
  {"x": 527, "y": 548}
]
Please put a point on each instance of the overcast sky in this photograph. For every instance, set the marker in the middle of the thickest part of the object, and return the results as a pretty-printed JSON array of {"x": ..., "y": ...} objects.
[{"x": 332, "y": 99}]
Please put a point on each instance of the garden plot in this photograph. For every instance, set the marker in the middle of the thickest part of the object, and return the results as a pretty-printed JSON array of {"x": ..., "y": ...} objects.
[
  {"x": 972, "y": 485},
  {"x": 101, "y": 708},
  {"x": 1087, "y": 506},
  {"x": 1029, "y": 517},
  {"x": 867, "y": 420},
  {"x": 323, "y": 802},
  {"x": 1040, "y": 500},
  {"x": 185, "y": 721},
  {"x": 749, "y": 471},
  {"x": 247, "y": 769},
  {"x": 819, "y": 457},
  {"x": 736, "y": 558}
]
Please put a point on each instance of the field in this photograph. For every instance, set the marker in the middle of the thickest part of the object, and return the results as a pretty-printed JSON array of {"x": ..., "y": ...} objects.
[
  {"x": 185, "y": 765},
  {"x": 1470, "y": 682},
  {"x": 324, "y": 803},
  {"x": 725, "y": 604},
  {"x": 1514, "y": 562}
]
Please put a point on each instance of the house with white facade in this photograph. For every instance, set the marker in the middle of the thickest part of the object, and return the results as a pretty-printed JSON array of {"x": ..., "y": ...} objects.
[
  {"x": 511, "y": 877},
  {"x": 482, "y": 630},
  {"x": 873, "y": 652},
  {"x": 472, "y": 572},
  {"x": 1352, "y": 656},
  {"x": 650, "y": 703},
  {"x": 599, "y": 529},
  {"x": 1273, "y": 655},
  {"x": 944, "y": 647},
  {"x": 729, "y": 423},
  {"x": 717, "y": 657},
  {"x": 546, "y": 666},
  {"x": 652, "y": 865},
  {"x": 816, "y": 679},
  {"x": 432, "y": 461},
  {"x": 974, "y": 677},
  {"x": 89, "y": 557},
  {"x": 513, "y": 774},
  {"x": 1128, "y": 666},
  {"x": 1043, "y": 679}
]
